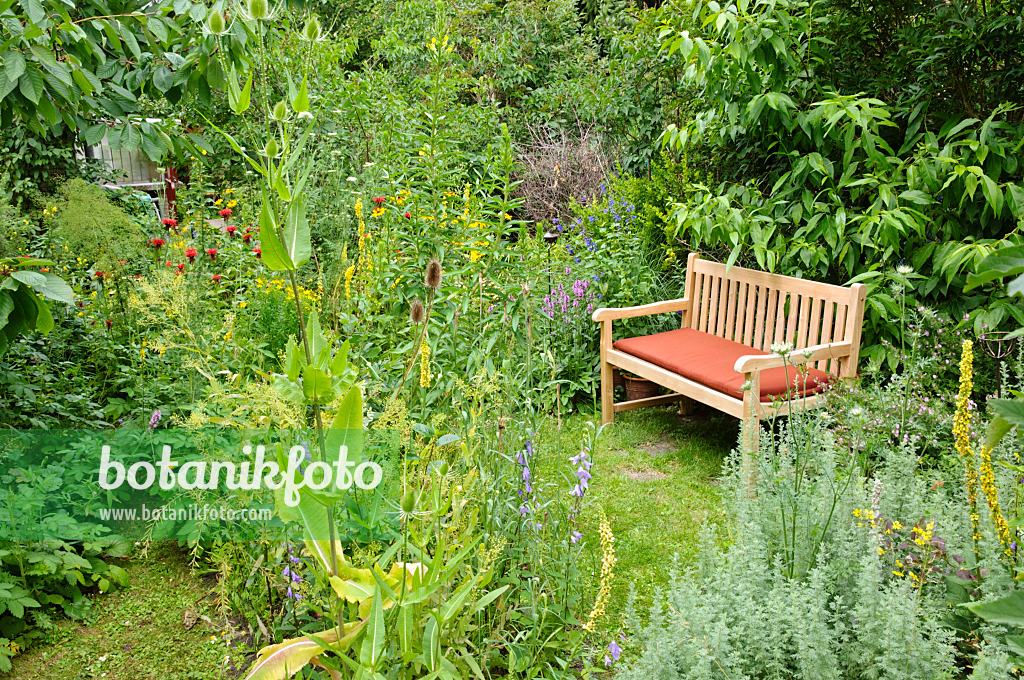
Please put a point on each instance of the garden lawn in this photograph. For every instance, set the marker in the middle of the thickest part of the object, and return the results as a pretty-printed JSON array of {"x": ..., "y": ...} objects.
[
  {"x": 138, "y": 633},
  {"x": 655, "y": 475}
]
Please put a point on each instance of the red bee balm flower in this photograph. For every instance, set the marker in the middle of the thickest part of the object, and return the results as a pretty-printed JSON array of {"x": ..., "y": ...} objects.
[
  {"x": 157, "y": 243},
  {"x": 231, "y": 229},
  {"x": 191, "y": 254},
  {"x": 246, "y": 237},
  {"x": 259, "y": 253},
  {"x": 226, "y": 212},
  {"x": 379, "y": 200},
  {"x": 212, "y": 252},
  {"x": 215, "y": 277},
  {"x": 168, "y": 222},
  {"x": 408, "y": 215},
  {"x": 99, "y": 274},
  {"x": 181, "y": 266},
  {"x": 109, "y": 323}
]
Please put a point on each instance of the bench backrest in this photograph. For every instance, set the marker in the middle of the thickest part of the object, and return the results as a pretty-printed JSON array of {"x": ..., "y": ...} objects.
[{"x": 759, "y": 309}]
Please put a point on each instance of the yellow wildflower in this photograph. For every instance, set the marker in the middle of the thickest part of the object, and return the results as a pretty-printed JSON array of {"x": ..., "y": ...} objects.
[
  {"x": 962, "y": 431},
  {"x": 349, "y": 273},
  {"x": 607, "y": 575},
  {"x": 425, "y": 362}
]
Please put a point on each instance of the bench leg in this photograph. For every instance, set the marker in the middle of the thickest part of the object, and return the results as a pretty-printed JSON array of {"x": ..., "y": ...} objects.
[
  {"x": 751, "y": 427},
  {"x": 607, "y": 394},
  {"x": 607, "y": 383},
  {"x": 686, "y": 406}
]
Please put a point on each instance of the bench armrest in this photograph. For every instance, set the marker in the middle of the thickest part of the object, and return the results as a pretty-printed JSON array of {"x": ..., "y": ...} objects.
[
  {"x": 760, "y": 362},
  {"x": 611, "y": 313}
]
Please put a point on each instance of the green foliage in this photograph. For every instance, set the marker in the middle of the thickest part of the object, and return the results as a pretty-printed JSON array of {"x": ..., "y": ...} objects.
[
  {"x": 72, "y": 88},
  {"x": 89, "y": 223},
  {"x": 23, "y": 294},
  {"x": 833, "y": 184}
]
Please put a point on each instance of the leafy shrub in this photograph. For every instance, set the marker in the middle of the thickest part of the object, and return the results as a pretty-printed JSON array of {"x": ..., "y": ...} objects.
[{"x": 89, "y": 223}]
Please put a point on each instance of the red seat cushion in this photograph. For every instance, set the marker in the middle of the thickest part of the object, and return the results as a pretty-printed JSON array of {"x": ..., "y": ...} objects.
[{"x": 710, "y": 360}]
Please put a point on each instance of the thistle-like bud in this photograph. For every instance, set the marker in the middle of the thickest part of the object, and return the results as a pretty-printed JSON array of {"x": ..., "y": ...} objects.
[
  {"x": 272, "y": 148},
  {"x": 416, "y": 312},
  {"x": 433, "y": 275},
  {"x": 280, "y": 111},
  {"x": 409, "y": 502},
  {"x": 312, "y": 30},
  {"x": 215, "y": 22},
  {"x": 443, "y": 468},
  {"x": 258, "y": 9}
]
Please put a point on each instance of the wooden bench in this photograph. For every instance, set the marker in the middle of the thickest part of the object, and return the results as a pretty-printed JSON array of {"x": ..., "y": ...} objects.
[{"x": 722, "y": 354}]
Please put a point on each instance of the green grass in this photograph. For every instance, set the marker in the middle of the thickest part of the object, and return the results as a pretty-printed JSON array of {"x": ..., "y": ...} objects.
[
  {"x": 138, "y": 633},
  {"x": 655, "y": 476}
]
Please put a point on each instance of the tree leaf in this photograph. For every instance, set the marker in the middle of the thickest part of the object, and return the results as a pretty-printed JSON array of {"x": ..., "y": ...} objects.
[
  {"x": 34, "y": 10},
  {"x": 1002, "y": 263},
  {"x": 31, "y": 85},
  {"x": 14, "y": 65}
]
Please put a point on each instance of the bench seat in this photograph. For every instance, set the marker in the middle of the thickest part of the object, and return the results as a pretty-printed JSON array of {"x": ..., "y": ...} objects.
[{"x": 711, "y": 360}]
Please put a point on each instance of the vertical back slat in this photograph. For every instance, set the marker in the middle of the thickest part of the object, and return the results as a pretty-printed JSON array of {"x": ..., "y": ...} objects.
[
  {"x": 734, "y": 311},
  {"x": 723, "y": 307},
  {"x": 789, "y": 334},
  {"x": 826, "y": 332},
  {"x": 713, "y": 305},
  {"x": 838, "y": 333},
  {"x": 705, "y": 302},
  {"x": 749, "y": 312},
  {"x": 780, "y": 321},
  {"x": 803, "y": 322},
  {"x": 765, "y": 308},
  {"x": 814, "y": 329}
]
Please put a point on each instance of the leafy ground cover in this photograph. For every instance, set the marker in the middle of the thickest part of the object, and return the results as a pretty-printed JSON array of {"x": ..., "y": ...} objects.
[{"x": 164, "y": 625}]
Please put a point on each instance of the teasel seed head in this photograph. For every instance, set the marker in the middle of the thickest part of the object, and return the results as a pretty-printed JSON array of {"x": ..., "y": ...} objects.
[
  {"x": 215, "y": 22},
  {"x": 258, "y": 9},
  {"x": 416, "y": 312},
  {"x": 433, "y": 276}
]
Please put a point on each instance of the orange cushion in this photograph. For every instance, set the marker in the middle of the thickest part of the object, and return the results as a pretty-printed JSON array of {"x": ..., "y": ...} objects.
[{"x": 710, "y": 360}]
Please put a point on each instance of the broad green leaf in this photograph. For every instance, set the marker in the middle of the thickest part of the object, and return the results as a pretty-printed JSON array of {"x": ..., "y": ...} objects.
[
  {"x": 44, "y": 320},
  {"x": 301, "y": 102},
  {"x": 292, "y": 360},
  {"x": 997, "y": 429},
  {"x": 296, "y": 233},
  {"x": 432, "y": 643},
  {"x": 288, "y": 389},
  {"x": 284, "y": 660},
  {"x": 31, "y": 85},
  {"x": 163, "y": 78},
  {"x": 34, "y": 10},
  {"x": 1012, "y": 410},
  {"x": 1007, "y": 611},
  {"x": 373, "y": 642},
  {"x": 271, "y": 251},
  {"x": 29, "y": 278},
  {"x": 354, "y": 585},
  {"x": 55, "y": 288},
  {"x": 347, "y": 428},
  {"x": 316, "y": 384},
  {"x": 318, "y": 344},
  {"x": 14, "y": 65},
  {"x": 1000, "y": 264},
  {"x": 6, "y": 307}
]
